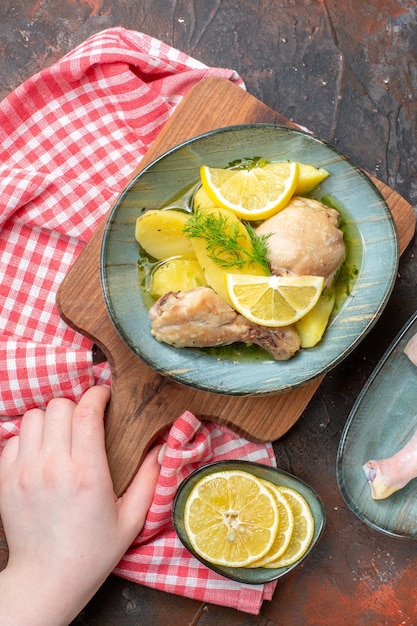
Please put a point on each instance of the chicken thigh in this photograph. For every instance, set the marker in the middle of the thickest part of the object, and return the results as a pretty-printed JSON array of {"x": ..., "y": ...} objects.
[
  {"x": 200, "y": 318},
  {"x": 304, "y": 238}
]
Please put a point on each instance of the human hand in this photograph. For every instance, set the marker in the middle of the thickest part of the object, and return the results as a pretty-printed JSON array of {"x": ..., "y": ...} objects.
[{"x": 65, "y": 528}]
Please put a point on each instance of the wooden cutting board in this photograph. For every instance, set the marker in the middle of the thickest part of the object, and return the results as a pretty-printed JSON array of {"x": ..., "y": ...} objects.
[{"x": 143, "y": 403}]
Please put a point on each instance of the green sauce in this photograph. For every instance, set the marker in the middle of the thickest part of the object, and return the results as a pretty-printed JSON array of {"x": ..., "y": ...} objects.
[{"x": 352, "y": 263}]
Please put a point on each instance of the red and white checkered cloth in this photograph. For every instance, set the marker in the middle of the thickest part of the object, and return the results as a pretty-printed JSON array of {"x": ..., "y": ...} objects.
[
  {"x": 157, "y": 558},
  {"x": 70, "y": 139}
]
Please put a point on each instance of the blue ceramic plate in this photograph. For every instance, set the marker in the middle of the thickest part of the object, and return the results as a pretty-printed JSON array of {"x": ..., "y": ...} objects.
[
  {"x": 383, "y": 418},
  {"x": 258, "y": 575},
  {"x": 372, "y": 260}
]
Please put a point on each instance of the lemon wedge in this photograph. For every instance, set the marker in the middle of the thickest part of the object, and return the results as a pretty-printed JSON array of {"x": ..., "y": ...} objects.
[
  {"x": 308, "y": 178},
  {"x": 252, "y": 194},
  {"x": 273, "y": 301}
]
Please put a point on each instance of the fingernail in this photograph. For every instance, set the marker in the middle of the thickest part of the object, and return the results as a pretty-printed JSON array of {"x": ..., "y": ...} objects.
[{"x": 161, "y": 453}]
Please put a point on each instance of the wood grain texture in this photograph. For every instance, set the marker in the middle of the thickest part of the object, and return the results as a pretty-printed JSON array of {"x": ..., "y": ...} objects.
[{"x": 143, "y": 403}]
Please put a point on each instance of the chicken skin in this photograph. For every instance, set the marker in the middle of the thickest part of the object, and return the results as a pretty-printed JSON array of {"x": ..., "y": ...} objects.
[
  {"x": 200, "y": 318},
  {"x": 304, "y": 238},
  {"x": 386, "y": 476}
]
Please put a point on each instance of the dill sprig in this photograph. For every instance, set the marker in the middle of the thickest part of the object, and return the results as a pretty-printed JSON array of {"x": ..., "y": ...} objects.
[
  {"x": 224, "y": 241},
  {"x": 247, "y": 163}
]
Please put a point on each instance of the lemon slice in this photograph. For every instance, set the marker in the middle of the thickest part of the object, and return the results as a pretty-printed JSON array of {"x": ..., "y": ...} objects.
[
  {"x": 273, "y": 300},
  {"x": 302, "y": 533},
  {"x": 231, "y": 518},
  {"x": 252, "y": 194},
  {"x": 285, "y": 528}
]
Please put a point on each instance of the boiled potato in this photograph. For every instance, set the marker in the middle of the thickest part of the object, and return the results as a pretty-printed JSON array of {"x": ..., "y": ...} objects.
[
  {"x": 214, "y": 274},
  {"x": 176, "y": 275},
  {"x": 202, "y": 199},
  {"x": 160, "y": 234},
  {"x": 311, "y": 326}
]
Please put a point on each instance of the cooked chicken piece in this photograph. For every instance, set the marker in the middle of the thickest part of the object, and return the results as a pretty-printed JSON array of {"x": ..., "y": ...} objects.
[
  {"x": 386, "y": 476},
  {"x": 304, "y": 239},
  {"x": 200, "y": 318}
]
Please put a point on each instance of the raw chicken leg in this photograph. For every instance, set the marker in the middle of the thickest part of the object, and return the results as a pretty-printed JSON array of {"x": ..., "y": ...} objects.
[
  {"x": 200, "y": 318},
  {"x": 411, "y": 349},
  {"x": 386, "y": 476}
]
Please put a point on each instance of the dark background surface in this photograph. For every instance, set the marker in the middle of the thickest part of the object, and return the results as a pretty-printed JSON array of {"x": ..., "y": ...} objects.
[{"x": 347, "y": 70}]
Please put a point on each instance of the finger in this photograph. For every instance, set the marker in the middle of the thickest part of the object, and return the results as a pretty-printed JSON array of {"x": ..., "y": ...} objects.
[
  {"x": 9, "y": 454},
  {"x": 135, "y": 502},
  {"x": 57, "y": 429},
  {"x": 88, "y": 423},
  {"x": 31, "y": 431}
]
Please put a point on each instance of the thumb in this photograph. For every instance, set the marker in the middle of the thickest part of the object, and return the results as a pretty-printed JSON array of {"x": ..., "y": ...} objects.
[{"x": 134, "y": 504}]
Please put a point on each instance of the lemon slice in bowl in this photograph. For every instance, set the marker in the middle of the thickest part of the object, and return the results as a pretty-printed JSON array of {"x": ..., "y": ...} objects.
[
  {"x": 285, "y": 527},
  {"x": 252, "y": 194},
  {"x": 273, "y": 301},
  {"x": 231, "y": 518},
  {"x": 303, "y": 530}
]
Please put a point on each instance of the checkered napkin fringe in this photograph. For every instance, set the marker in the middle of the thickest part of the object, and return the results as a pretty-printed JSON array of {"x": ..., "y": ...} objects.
[{"x": 70, "y": 139}]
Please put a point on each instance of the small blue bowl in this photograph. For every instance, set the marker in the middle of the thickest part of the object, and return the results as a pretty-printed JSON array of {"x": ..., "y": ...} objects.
[{"x": 258, "y": 575}]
